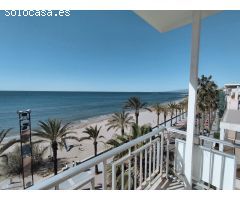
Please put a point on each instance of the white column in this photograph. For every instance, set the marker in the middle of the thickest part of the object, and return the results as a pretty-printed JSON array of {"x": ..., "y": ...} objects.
[
  {"x": 192, "y": 97},
  {"x": 222, "y": 137}
]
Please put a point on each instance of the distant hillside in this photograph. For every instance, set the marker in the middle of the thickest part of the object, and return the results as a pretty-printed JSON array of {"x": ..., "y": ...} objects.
[{"x": 182, "y": 90}]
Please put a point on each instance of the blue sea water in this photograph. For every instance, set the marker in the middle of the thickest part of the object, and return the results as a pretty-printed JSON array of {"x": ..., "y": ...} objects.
[{"x": 70, "y": 106}]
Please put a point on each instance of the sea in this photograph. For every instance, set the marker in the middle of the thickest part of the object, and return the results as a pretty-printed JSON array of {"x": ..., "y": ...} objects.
[{"x": 70, "y": 106}]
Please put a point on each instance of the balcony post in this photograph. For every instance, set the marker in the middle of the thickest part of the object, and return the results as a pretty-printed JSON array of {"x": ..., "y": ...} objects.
[
  {"x": 129, "y": 169},
  {"x": 104, "y": 174},
  {"x": 114, "y": 177},
  {"x": 196, "y": 24},
  {"x": 161, "y": 154},
  {"x": 167, "y": 158},
  {"x": 222, "y": 137}
]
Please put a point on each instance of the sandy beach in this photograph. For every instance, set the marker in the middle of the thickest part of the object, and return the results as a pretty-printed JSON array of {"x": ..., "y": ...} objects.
[
  {"x": 83, "y": 150},
  {"x": 87, "y": 150}
]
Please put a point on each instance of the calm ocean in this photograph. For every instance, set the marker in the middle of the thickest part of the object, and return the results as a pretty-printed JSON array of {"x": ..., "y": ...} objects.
[{"x": 70, "y": 106}]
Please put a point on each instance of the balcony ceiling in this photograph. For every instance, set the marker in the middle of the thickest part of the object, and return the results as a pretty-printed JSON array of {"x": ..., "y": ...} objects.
[{"x": 166, "y": 20}]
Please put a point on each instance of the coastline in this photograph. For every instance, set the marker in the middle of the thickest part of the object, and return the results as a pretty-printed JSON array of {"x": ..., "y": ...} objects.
[
  {"x": 81, "y": 123},
  {"x": 81, "y": 151}
]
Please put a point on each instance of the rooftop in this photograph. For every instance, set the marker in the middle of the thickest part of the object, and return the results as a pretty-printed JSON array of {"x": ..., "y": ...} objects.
[{"x": 232, "y": 85}]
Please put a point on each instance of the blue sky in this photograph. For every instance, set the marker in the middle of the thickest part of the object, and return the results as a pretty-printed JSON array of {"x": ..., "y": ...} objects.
[{"x": 112, "y": 51}]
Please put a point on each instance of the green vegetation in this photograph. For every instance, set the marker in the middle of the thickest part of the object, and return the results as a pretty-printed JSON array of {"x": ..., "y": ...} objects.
[
  {"x": 136, "y": 104},
  {"x": 120, "y": 121},
  {"x": 222, "y": 103},
  {"x": 216, "y": 135},
  {"x": 5, "y": 146},
  {"x": 165, "y": 113},
  {"x": 117, "y": 141},
  {"x": 171, "y": 108},
  {"x": 12, "y": 164},
  {"x": 56, "y": 133},
  {"x": 158, "y": 109},
  {"x": 207, "y": 101},
  {"x": 94, "y": 135}
]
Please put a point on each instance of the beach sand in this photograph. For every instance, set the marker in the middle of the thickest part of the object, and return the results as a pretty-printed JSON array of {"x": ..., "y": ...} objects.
[{"x": 86, "y": 150}]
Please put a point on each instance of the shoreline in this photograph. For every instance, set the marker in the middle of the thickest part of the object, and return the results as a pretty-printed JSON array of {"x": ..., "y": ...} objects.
[
  {"x": 84, "y": 150},
  {"x": 81, "y": 123}
]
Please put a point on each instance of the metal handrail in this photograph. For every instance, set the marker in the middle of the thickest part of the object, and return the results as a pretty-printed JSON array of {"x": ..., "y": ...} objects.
[
  {"x": 173, "y": 130},
  {"x": 155, "y": 127},
  {"x": 60, "y": 178},
  {"x": 225, "y": 143}
]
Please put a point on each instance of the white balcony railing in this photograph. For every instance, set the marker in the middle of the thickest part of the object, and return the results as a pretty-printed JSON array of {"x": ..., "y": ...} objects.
[
  {"x": 142, "y": 162},
  {"x": 145, "y": 148}
]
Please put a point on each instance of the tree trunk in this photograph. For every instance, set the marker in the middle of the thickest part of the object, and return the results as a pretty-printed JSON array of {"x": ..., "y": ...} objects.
[
  {"x": 199, "y": 124},
  {"x": 203, "y": 122},
  {"x": 55, "y": 161},
  {"x": 209, "y": 120},
  {"x": 165, "y": 119},
  {"x": 137, "y": 115},
  {"x": 158, "y": 120},
  {"x": 122, "y": 131},
  {"x": 95, "y": 154},
  {"x": 171, "y": 118}
]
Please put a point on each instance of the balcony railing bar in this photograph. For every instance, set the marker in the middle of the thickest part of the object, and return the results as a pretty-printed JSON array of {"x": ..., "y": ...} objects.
[
  {"x": 145, "y": 168},
  {"x": 217, "y": 152},
  {"x": 141, "y": 169},
  {"x": 55, "y": 180},
  {"x": 135, "y": 172},
  {"x": 136, "y": 152},
  {"x": 129, "y": 170},
  {"x": 213, "y": 140},
  {"x": 102, "y": 157},
  {"x": 122, "y": 177}
]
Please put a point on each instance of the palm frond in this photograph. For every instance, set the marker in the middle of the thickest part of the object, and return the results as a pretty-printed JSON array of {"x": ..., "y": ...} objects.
[
  {"x": 8, "y": 145},
  {"x": 3, "y": 134}
]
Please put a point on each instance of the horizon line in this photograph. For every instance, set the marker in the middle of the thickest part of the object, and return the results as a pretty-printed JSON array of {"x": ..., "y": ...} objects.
[{"x": 179, "y": 90}]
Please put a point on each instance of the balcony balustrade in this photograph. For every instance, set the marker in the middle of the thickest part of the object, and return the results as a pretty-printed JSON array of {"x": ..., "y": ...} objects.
[{"x": 149, "y": 161}]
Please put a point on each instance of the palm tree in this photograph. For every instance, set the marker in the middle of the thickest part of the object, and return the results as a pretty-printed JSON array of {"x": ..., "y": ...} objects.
[
  {"x": 165, "y": 111},
  {"x": 185, "y": 105},
  {"x": 4, "y": 147},
  {"x": 136, "y": 132},
  {"x": 207, "y": 99},
  {"x": 118, "y": 141},
  {"x": 94, "y": 135},
  {"x": 136, "y": 104},
  {"x": 176, "y": 110},
  {"x": 121, "y": 121},
  {"x": 171, "y": 107},
  {"x": 213, "y": 104},
  {"x": 158, "y": 108},
  {"x": 181, "y": 109},
  {"x": 54, "y": 131}
]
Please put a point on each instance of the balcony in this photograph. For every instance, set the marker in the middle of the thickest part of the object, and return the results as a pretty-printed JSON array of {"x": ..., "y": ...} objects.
[
  {"x": 155, "y": 161},
  {"x": 165, "y": 158}
]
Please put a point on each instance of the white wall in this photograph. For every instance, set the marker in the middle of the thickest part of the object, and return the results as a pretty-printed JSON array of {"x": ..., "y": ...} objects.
[{"x": 214, "y": 167}]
